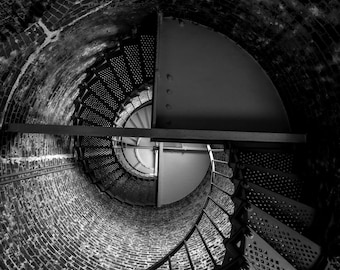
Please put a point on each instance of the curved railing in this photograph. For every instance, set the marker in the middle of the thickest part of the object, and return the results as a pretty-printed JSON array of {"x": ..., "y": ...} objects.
[{"x": 234, "y": 244}]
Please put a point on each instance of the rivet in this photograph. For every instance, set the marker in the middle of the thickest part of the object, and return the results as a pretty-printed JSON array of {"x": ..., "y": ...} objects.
[{"x": 169, "y": 77}]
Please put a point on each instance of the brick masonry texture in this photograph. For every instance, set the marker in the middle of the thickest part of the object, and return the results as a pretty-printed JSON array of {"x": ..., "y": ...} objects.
[
  {"x": 52, "y": 76},
  {"x": 18, "y": 168},
  {"x": 17, "y": 16},
  {"x": 61, "y": 220},
  {"x": 34, "y": 145}
]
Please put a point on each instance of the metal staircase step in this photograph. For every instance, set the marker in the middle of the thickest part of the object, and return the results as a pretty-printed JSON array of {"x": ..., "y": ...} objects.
[
  {"x": 107, "y": 87},
  {"x": 106, "y": 172},
  {"x": 261, "y": 255},
  {"x": 96, "y": 111},
  {"x": 121, "y": 71},
  {"x": 94, "y": 152},
  {"x": 143, "y": 119},
  {"x": 123, "y": 187},
  {"x": 148, "y": 49},
  {"x": 286, "y": 184},
  {"x": 100, "y": 163},
  {"x": 133, "y": 59},
  {"x": 294, "y": 214},
  {"x": 298, "y": 250},
  {"x": 279, "y": 161},
  {"x": 94, "y": 117},
  {"x": 102, "y": 157},
  {"x": 145, "y": 96},
  {"x": 99, "y": 105},
  {"x": 78, "y": 121},
  {"x": 88, "y": 141}
]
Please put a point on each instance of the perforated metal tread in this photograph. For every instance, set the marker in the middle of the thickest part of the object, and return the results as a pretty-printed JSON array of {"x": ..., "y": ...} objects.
[
  {"x": 100, "y": 163},
  {"x": 286, "y": 184},
  {"x": 124, "y": 189},
  {"x": 148, "y": 49},
  {"x": 97, "y": 109},
  {"x": 301, "y": 252},
  {"x": 95, "y": 142},
  {"x": 107, "y": 87},
  {"x": 93, "y": 117},
  {"x": 94, "y": 152},
  {"x": 294, "y": 214},
  {"x": 272, "y": 160},
  {"x": 99, "y": 104},
  {"x": 133, "y": 58},
  {"x": 262, "y": 256},
  {"x": 108, "y": 171},
  {"x": 119, "y": 67}
]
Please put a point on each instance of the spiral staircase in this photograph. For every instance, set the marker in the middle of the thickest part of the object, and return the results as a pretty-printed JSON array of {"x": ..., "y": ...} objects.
[
  {"x": 114, "y": 88},
  {"x": 255, "y": 216}
]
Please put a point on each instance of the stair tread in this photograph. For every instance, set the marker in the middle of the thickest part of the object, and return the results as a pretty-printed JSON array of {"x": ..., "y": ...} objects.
[
  {"x": 132, "y": 55},
  {"x": 272, "y": 160},
  {"x": 148, "y": 47},
  {"x": 95, "y": 166},
  {"x": 286, "y": 184},
  {"x": 273, "y": 171},
  {"x": 143, "y": 196},
  {"x": 98, "y": 156},
  {"x": 94, "y": 152},
  {"x": 107, "y": 88},
  {"x": 99, "y": 104},
  {"x": 105, "y": 171},
  {"x": 262, "y": 256},
  {"x": 94, "y": 118},
  {"x": 121, "y": 71},
  {"x": 289, "y": 243},
  {"x": 294, "y": 214},
  {"x": 95, "y": 141}
]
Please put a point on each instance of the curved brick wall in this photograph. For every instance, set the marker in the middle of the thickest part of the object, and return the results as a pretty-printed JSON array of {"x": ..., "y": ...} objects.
[{"x": 61, "y": 220}]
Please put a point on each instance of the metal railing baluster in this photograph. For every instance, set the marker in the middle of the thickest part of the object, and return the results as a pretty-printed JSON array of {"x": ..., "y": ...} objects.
[
  {"x": 205, "y": 245},
  {"x": 214, "y": 224},
  {"x": 169, "y": 261},
  {"x": 220, "y": 206},
  {"x": 188, "y": 254}
]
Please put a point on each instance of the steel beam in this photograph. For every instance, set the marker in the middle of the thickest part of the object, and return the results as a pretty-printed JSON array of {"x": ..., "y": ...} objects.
[{"x": 159, "y": 134}]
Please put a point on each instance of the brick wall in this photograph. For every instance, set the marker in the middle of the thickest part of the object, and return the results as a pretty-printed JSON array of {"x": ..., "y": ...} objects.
[
  {"x": 33, "y": 145},
  {"x": 42, "y": 66},
  {"x": 61, "y": 220},
  {"x": 17, "y": 16}
]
